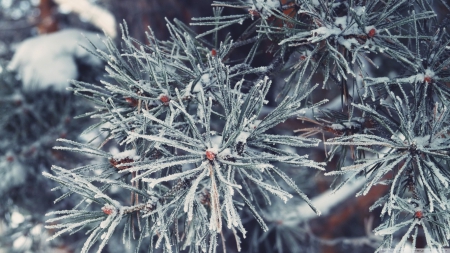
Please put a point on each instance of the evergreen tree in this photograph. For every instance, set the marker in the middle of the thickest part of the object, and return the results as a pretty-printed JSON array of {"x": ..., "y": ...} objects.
[{"x": 200, "y": 136}]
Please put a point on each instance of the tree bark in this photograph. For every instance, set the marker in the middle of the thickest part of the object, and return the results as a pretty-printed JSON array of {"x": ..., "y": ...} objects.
[{"x": 47, "y": 20}]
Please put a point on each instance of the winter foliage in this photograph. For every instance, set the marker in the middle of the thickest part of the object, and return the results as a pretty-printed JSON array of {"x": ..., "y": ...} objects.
[
  {"x": 198, "y": 127},
  {"x": 31, "y": 121}
]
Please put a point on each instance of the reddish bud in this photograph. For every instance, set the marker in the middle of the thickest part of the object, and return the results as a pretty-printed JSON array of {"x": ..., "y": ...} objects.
[
  {"x": 213, "y": 52},
  {"x": 108, "y": 209},
  {"x": 372, "y": 32},
  {"x": 254, "y": 13},
  {"x": 427, "y": 79},
  {"x": 132, "y": 101},
  {"x": 164, "y": 98},
  {"x": 302, "y": 57},
  {"x": 418, "y": 214},
  {"x": 210, "y": 155},
  {"x": 10, "y": 159}
]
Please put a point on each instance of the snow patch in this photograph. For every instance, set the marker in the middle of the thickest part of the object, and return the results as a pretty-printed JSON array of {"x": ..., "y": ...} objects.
[
  {"x": 17, "y": 217},
  {"x": 204, "y": 80},
  {"x": 264, "y": 5},
  {"x": 226, "y": 152},
  {"x": 91, "y": 13},
  {"x": 348, "y": 43},
  {"x": 22, "y": 242},
  {"x": 242, "y": 137},
  {"x": 322, "y": 33},
  {"x": 359, "y": 10},
  {"x": 50, "y": 60},
  {"x": 216, "y": 142},
  {"x": 131, "y": 154}
]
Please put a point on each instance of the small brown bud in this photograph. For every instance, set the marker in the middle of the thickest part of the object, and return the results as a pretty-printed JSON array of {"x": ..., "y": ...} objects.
[
  {"x": 372, "y": 32},
  {"x": 133, "y": 102},
  {"x": 164, "y": 99},
  {"x": 210, "y": 155},
  {"x": 108, "y": 209},
  {"x": 254, "y": 13},
  {"x": 418, "y": 215}
]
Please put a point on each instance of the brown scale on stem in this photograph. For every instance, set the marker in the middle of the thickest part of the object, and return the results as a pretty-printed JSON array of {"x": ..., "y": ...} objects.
[{"x": 118, "y": 163}]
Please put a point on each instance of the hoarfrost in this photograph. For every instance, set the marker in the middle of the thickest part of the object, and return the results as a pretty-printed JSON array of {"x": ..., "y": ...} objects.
[
  {"x": 322, "y": 33},
  {"x": 131, "y": 154}
]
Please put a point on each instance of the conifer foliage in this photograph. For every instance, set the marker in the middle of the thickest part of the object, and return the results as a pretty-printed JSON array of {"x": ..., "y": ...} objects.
[{"x": 199, "y": 139}]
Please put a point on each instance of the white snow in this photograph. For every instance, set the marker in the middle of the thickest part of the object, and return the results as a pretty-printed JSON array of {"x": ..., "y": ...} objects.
[
  {"x": 17, "y": 217},
  {"x": 216, "y": 142},
  {"x": 359, "y": 10},
  {"x": 92, "y": 13},
  {"x": 430, "y": 73},
  {"x": 22, "y": 242},
  {"x": 242, "y": 137},
  {"x": 323, "y": 32},
  {"x": 36, "y": 230},
  {"x": 50, "y": 60},
  {"x": 422, "y": 141},
  {"x": 347, "y": 43},
  {"x": 341, "y": 21},
  {"x": 226, "y": 152},
  {"x": 368, "y": 28},
  {"x": 325, "y": 202},
  {"x": 204, "y": 80},
  {"x": 263, "y": 5},
  {"x": 126, "y": 154},
  {"x": 6, "y": 3},
  {"x": 378, "y": 80},
  {"x": 412, "y": 79}
]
